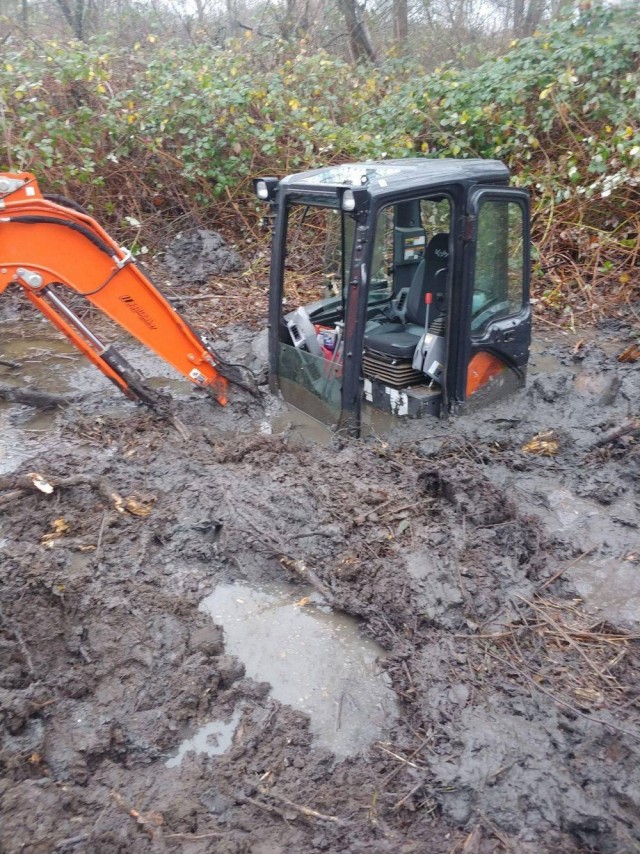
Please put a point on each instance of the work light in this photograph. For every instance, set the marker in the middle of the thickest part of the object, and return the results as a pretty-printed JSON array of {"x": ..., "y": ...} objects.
[
  {"x": 265, "y": 188},
  {"x": 348, "y": 201}
]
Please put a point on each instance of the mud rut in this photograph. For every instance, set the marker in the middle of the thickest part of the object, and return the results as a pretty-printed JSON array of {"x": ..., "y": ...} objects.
[{"x": 520, "y": 726}]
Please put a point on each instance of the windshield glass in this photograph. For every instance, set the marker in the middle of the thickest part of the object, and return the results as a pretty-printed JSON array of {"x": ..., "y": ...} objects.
[{"x": 319, "y": 244}]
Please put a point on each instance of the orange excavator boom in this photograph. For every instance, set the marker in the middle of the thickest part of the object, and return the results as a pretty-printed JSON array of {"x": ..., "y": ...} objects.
[{"x": 48, "y": 244}]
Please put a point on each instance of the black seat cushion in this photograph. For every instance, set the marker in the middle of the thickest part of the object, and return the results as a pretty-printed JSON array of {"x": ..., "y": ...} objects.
[
  {"x": 393, "y": 339},
  {"x": 401, "y": 339}
]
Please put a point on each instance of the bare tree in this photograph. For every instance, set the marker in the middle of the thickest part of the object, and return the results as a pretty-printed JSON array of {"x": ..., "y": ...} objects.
[
  {"x": 75, "y": 14},
  {"x": 400, "y": 25},
  {"x": 360, "y": 44}
]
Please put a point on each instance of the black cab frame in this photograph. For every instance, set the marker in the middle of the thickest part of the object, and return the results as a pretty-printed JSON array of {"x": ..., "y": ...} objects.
[{"x": 401, "y": 285}]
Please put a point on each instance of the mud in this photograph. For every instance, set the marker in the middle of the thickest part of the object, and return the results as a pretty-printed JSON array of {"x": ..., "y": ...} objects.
[
  {"x": 195, "y": 256},
  {"x": 500, "y": 583}
]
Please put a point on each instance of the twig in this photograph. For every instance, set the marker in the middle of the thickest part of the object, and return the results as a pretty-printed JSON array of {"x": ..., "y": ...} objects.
[
  {"x": 564, "y": 634},
  {"x": 397, "y": 756},
  {"x": 630, "y": 429},
  {"x": 496, "y": 832},
  {"x": 26, "y": 485},
  {"x": 180, "y": 427},
  {"x": 408, "y": 795},
  {"x": 560, "y": 572},
  {"x": 399, "y": 768},
  {"x": 563, "y": 703},
  {"x": 303, "y": 810},
  {"x": 193, "y": 835}
]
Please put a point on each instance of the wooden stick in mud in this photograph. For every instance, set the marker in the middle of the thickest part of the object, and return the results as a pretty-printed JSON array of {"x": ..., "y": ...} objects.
[
  {"x": 632, "y": 428},
  {"x": 29, "y": 484},
  {"x": 303, "y": 810},
  {"x": 32, "y": 397}
]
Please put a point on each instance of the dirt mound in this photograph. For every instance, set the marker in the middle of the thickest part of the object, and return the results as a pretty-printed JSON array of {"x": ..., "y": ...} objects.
[{"x": 197, "y": 255}]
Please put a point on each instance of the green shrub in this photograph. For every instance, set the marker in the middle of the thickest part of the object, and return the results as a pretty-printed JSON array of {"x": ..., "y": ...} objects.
[{"x": 163, "y": 132}]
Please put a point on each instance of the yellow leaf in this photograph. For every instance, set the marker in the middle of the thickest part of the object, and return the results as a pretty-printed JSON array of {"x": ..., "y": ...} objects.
[
  {"x": 608, "y": 128},
  {"x": 131, "y": 119},
  {"x": 294, "y": 104},
  {"x": 545, "y": 444},
  {"x": 58, "y": 528},
  {"x": 545, "y": 93},
  {"x": 8, "y": 67},
  {"x": 101, "y": 89},
  {"x": 151, "y": 39},
  {"x": 139, "y": 507},
  {"x": 136, "y": 46}
]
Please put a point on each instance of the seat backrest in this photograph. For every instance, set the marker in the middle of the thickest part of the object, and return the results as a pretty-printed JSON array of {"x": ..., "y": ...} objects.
[{"x": 430, "y": 277}]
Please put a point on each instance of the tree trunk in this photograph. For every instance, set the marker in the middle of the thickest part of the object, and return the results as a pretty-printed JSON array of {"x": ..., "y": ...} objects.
[
  {"x": 400, "y": 25},
  {"x": 75, "y": 17},
  {"x": 360, "y": 45}
]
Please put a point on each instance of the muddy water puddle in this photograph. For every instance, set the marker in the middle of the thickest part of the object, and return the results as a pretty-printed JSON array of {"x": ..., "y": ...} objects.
[
  {"x": 46, "y": 361},
  {"x": 315, "y": 659},
  {"x": 213, "y": 739}
]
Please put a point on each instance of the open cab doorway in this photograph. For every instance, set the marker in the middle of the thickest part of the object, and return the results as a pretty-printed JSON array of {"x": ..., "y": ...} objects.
[{"x": 404, "y": 284}]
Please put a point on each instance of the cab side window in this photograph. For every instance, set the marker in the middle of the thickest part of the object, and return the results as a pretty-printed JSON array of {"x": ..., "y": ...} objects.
[{"x": 498, "y": 287}]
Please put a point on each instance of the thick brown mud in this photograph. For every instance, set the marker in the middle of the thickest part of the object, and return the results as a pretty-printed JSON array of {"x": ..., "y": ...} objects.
[{"x": 501, "y": 585}]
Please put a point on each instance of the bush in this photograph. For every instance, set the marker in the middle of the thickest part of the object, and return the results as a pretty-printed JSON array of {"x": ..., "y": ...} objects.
[{"x": 163, "y": 132}]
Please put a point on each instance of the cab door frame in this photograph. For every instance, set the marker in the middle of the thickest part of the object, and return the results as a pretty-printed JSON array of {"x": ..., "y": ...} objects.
[{"x": 508, "y": 337}]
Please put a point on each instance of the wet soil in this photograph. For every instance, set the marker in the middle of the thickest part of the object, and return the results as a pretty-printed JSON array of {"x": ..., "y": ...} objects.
[{"x": 501, "y": 584}]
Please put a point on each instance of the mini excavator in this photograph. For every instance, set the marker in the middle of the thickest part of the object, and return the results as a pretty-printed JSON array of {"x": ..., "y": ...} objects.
[
  {"x": 400, "y": 285},
  {"x": 49, "y": 245}
]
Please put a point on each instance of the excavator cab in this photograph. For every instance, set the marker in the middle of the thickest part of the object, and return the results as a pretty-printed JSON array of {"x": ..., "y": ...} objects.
[{"x": 399, "y": 285}]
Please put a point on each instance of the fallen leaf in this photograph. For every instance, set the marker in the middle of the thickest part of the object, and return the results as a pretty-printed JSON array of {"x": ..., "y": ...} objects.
[
  {"x": 544, "y": 444},
  {"x": 302, "y": 602},
  {"x": 40, "y": 483},
  {"x": 58, "y": 528},
  {"x": 139, "y": 507},
  {"x": 118, "y": 502},
  {"x": 631, "y": 354},
  {"x": 590, "y": 694}
]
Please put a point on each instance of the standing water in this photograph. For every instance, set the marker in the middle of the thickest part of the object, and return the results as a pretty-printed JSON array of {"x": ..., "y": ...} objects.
[{"x": 315, "y": 659}]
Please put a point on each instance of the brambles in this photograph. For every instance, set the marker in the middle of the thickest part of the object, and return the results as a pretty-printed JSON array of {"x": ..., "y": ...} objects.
[{"x": 165, "y": 133}]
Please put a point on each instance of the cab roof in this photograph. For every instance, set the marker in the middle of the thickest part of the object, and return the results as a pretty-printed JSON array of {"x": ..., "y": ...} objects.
[{"x": 385, "y": 176}]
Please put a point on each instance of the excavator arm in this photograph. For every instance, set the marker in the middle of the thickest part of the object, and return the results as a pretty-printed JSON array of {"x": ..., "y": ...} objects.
[{"x": 48, "y": 244}]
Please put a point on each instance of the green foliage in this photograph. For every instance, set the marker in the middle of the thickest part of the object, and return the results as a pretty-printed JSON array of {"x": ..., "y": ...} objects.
[{"x": 167, "y": 130}]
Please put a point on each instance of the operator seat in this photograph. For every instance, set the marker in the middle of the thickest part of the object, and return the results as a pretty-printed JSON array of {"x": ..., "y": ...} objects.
[{"x": 400, "y": 337}]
